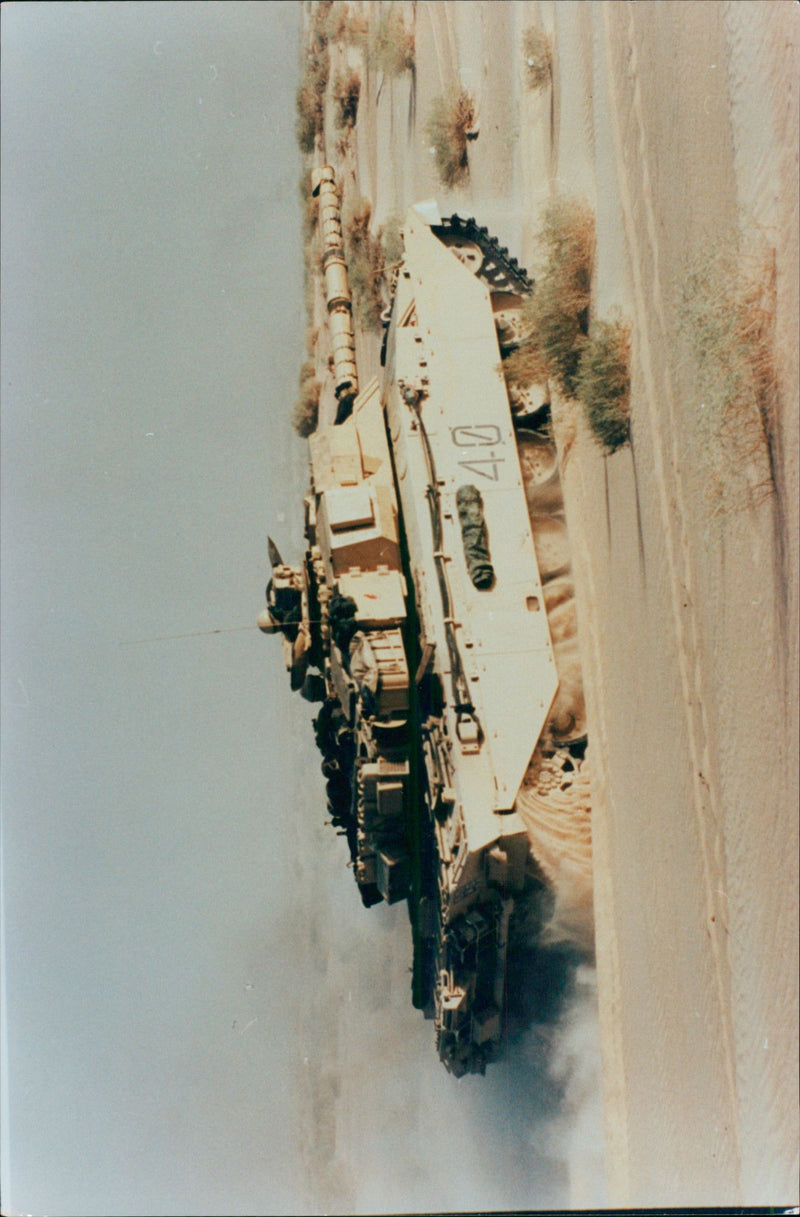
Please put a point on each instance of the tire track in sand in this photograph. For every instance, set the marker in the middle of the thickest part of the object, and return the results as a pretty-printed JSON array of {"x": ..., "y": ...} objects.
[
  {"x": 609, "y": 994},
  {"x": 706, "y": 797}
]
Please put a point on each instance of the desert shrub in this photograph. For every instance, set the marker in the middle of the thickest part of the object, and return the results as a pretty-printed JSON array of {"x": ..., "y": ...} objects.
[
  {"x": 538, "y": 57},
  {"x": 309, "y": 207},
  {"x": 344, "y": 26},
  {"x": 321, "y": 18},
  {"x": 365, "y": 264},
  {"x": 525, "y": 366},
  {"x": 310, "y": 257},
  {"x": 390, "y": 46},
  {"x": 310, "y": 98},
  {"x": 557, "y": 312},
  {"x": 725, "y": 319},
  {"x": 603, "y": 382},
  {"x": 309, "y": 292},
  {"x": 592, "y": 365},
  {"x": 305, "y": 414},
  {"x": 346, "y": 92},
  {"x": 310, "y": 116},
  {"x": 452, "y": 115},
  {"x": 393, "y": 247}
]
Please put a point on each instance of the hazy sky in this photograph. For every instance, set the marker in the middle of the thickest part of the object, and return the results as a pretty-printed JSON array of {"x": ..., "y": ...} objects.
[
  {"x": 198, "y": 1015},
  {"x": 152, "y": 330}
]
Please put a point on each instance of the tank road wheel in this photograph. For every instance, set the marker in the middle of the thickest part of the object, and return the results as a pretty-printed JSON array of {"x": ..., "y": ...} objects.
[
  {"x": 538, "y": 460},
  {"x": 466, "y": 251},
  {"x": 551, "y": 543},
  {"x": 567, "y": 722},
  {"x": 509, "y": 318}
]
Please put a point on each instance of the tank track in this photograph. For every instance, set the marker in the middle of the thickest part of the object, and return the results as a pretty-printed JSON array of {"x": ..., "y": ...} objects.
[{"x": 498, "y": 268}]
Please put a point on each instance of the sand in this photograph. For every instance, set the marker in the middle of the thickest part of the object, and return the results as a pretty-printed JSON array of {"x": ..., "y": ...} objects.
[
  {"x": 688, "y": 630},
  {"x": 674, "y": 121}
]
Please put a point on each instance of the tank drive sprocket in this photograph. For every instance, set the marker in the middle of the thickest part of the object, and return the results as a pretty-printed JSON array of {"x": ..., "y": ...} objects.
[{"x": 497, "y": 267}]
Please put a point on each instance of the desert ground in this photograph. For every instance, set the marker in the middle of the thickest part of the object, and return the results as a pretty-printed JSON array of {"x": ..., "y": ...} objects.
[{"x": 676, "y": 122}]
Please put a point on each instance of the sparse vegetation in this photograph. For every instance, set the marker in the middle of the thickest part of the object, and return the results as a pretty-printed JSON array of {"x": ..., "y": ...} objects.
[
  {"x": 309, "y": 207},
  {"x": 726, "y": 322},
  {"x": 305, "y": 414},
  {"x": 309, "y": 292},
  {"x": 365, "y": 264},
  {"x": 390, "y": 46},
  {"x": 344, "y": 26},
  {"x": 322, "y": 13},
  {"x": 310, "y": 99},
  {"x": 452, "y": 115},
  {"x": 538, "y": 57},
  {"x": 346, "y": 92},
  {"x": 591, "y": 364},
  {"x": 525, "y": 366},
  {"x": 603, "y": 382},
  {"x": 393, "y": 248},
  {"x": 557, "y": 313}
]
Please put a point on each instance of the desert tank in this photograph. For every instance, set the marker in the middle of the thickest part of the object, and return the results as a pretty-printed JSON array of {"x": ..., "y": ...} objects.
[{"x": 421, "y": 613}]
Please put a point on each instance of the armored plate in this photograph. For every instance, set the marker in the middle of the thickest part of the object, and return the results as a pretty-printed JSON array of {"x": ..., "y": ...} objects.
[{"x": 451, "y": 427}]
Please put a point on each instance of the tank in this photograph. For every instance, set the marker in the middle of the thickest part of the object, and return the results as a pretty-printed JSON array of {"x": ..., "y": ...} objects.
[{"x": 433, "y": 611}]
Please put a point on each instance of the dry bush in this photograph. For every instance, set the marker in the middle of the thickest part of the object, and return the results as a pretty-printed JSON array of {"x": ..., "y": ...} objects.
[
  {"x": 725, "y": 318},
  {"x": 344, "y": 26},
  {"x": 309, "y": 292},
  {"x": 312, "y": 284},
  {"x": 538, "y": 57},
  {"x": 310, "y": 103},
  {"x": 310, "y": 98},
  {"x": 309, "y": 208},
  {"x": 603, "y": 382},
  {"x": 590, "y": 365},
  {"x": 558, "y": 309},
  {"x": 321, "y": 17},
  {"x": 305, "y": 414},
  {"x": 525, "y": 366},
  {"x": 393, "y": 247},
  {"x": 310, "y": 113},
  {"x": 390, "y": 47},
  {"x": 452, "y": 115},
  {"x": 365, "y": 265},
  {"x": 346, "y": 92}
]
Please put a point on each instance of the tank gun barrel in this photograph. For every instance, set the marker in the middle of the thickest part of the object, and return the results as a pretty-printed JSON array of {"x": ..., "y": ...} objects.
[{"x": 337, "y": 287}]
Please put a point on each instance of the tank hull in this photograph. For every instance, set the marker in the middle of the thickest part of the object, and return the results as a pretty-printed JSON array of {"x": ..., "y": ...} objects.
[{"x": 424, "y": 595}]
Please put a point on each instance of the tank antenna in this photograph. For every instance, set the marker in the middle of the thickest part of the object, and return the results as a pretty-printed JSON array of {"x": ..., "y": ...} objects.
[{"x": 234, "y": 629}]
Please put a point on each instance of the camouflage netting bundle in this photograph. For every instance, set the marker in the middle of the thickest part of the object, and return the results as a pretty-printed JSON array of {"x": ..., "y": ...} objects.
[
  {"x": 343, "y": 623},
  {"x": 475, "y": 536},
  {"x": 364, "y": 670}
]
